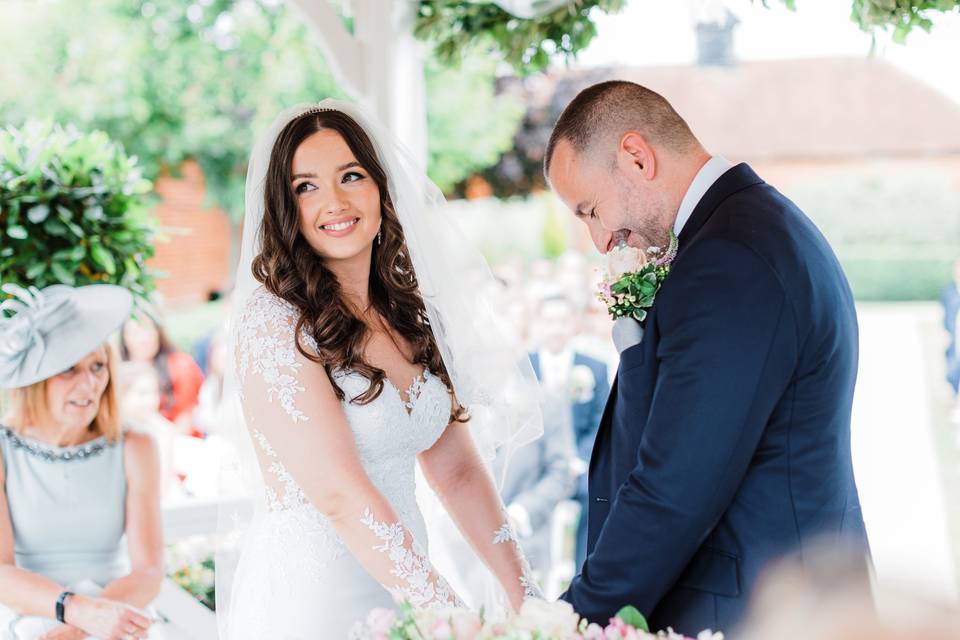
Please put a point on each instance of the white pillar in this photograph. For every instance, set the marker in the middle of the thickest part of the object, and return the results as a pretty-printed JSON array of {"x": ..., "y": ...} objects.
[
  {"x": 394, "y": 69},
  {"x": 380, "y": 65}
]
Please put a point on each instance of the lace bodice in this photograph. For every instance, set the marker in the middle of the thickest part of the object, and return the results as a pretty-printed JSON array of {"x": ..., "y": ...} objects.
[{"x": 389, "y": 432}]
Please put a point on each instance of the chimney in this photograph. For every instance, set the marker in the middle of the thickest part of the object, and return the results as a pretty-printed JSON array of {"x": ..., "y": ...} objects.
[{"x": 715, "y": 41}]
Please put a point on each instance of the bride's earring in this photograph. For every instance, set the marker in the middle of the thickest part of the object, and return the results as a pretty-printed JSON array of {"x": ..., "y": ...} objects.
[{"x": 379, "y": 236}]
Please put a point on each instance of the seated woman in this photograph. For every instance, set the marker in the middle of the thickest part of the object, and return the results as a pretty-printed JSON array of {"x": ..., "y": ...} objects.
[
  {"x": 80, "y": 534},
  {"x": 144, "y": 340}
]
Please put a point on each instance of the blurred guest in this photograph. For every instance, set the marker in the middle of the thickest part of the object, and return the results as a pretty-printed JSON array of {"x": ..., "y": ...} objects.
[
  {"x": 207, "y": 413},
  {"x": 582, "y": 379},
  {"x": 539, "y": 476},
  {"x": 201, "y": 347},
  {"x": 950, "y": 299},
  {"x": 139, "y": 394},
  {"x": 144, "y": 340},
  {"x": 80, "y": 534}
]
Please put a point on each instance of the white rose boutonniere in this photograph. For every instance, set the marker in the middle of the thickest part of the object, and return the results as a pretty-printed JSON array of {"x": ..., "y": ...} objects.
[{"x": 633, "y": 278}]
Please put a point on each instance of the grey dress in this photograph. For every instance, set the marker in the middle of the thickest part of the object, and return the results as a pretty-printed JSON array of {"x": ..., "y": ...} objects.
[{"x": 67, "y": 508}]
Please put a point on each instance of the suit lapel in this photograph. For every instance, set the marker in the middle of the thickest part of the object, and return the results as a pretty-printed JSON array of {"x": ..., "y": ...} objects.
[{"x": 735, "y": 179}]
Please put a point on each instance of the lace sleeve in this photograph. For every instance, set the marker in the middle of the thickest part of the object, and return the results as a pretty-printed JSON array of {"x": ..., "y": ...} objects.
[
  {"x": 459, "y": 477},
  {"x": 293, "y": 427}
]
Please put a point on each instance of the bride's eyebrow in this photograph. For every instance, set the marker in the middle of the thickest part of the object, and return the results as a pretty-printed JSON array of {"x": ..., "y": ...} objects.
[{"x": 342, "y": 167}]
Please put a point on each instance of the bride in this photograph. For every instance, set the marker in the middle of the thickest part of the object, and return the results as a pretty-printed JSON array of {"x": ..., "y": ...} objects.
[{"x": 364, "y": 343}]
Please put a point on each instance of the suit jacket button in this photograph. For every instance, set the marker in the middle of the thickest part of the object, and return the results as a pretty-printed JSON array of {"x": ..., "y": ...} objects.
[{"x": 602, "y": 500}]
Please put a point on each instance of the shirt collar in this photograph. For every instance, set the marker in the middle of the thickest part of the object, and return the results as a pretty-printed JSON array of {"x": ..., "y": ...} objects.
[{"x": 709, "y": 173}]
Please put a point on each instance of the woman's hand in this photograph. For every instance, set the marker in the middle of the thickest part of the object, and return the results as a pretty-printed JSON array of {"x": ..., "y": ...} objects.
[
  {"x": 64, "y": 632},
  {"x": 106, "y": 619}
]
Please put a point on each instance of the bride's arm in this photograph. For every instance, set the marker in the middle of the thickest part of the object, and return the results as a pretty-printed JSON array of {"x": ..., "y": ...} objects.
[
  {"x": 458, "y": 475},
  {"x": 295, "y": 417}
]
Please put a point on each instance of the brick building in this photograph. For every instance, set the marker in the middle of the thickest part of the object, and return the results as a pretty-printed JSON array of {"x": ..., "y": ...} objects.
[{"x": 196, "y": 257}]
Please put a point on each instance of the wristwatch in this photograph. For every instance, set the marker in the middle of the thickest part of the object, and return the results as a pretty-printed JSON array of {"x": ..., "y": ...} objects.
[{"x": 61, "y": 603}]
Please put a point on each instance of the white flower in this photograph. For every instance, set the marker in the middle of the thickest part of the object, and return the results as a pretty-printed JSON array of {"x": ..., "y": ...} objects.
[
  {"x": 582, "y": 383},
  {"x": 551, "y": 619},
  {"x": 380, "y": 621},
  {"x": 624, "y": 259}
]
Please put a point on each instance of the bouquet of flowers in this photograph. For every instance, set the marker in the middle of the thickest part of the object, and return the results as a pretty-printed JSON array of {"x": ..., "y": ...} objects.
[
  {"x": 633, "y": 278},
  {"x": 537, "y": 620}
]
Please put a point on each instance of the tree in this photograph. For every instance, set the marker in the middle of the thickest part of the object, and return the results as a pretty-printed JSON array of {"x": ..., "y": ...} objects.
[{"x": 174, "y": 81}]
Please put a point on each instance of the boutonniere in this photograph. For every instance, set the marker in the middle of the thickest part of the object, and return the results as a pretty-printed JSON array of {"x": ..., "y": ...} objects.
[
  {"x": 582, "y": 384},
  {"x": 633, "y": 277}
]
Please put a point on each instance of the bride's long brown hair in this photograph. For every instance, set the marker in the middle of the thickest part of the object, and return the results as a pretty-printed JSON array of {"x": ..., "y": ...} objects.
[{"x": 289, "y": 268}]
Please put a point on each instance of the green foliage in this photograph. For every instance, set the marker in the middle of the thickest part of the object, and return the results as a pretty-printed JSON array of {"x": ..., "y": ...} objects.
[
  {"x": 455, "y": 26},
  {"x": 555, "y": 240},
  {"x": 170, "y": 80},
  {"x": 897, "y": 279},
  {"x": 198, "y": 579},
  {"x": 633, "y": 617},
  {"x": 459, "y": 145},
  {"x": 72, "y": 210},
  {"x": 900, "y": 15},
  {"x": 174, "y": 81},
  {"x": 895, "y": 230}
]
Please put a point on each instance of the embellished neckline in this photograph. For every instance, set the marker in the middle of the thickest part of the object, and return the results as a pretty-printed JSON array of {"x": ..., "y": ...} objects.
[
  {"x": 51, "y": 453},
  {"x": 414, "y": 391}
]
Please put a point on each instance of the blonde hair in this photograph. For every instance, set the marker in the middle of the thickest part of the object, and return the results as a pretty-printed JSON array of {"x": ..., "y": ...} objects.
[{"x": 28, "y": 405}]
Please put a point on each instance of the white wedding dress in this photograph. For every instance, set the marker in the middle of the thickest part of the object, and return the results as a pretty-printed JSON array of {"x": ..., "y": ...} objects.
[{"x": 296, "y": 579}]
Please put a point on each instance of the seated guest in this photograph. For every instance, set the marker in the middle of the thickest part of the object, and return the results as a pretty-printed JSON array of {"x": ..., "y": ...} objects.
[
  {"x": 138, "y": 392},
  {"x": 144, "y": 340},
  {"x": 207, "y": 414},
  {"x": 80, "y": 533},
  {"x": 563, "y": 370},
  {"x": 540, "y": 475}
]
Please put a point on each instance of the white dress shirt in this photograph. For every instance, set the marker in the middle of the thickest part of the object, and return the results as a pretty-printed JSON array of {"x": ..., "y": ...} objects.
[{"x": 709, "y": 173}]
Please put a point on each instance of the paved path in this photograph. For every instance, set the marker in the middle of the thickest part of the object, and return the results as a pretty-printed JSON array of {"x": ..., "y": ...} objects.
[{"x": 894, "y": 458}]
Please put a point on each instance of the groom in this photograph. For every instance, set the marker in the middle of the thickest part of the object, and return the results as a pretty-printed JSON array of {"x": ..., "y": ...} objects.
[{"x": 725, "y": 442}]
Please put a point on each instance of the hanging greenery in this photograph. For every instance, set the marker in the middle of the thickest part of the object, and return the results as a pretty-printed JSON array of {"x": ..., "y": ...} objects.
[
  {"x": 458, "y": 26},
  {"x": 900, "y": 15}
]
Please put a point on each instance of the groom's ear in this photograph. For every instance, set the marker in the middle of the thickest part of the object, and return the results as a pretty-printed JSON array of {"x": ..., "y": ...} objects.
[{"x": 635, "y": 155}]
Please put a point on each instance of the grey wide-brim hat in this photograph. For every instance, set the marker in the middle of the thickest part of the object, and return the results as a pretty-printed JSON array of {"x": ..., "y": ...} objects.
[{"x": 52, "y": 329}]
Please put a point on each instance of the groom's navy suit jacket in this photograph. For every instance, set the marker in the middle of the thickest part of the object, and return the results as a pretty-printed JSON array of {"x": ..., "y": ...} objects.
[{"x": 725, "y": 442}]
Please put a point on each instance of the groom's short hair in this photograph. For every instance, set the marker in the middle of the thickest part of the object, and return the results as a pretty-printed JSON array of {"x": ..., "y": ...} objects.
[{"x": 609, "y": 109}]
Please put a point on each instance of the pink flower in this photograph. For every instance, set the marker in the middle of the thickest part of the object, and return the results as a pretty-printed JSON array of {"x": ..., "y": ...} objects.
[
  {"x": 380, "y": 621},
  {"x": 441, "y": 630},
  {"x": 466, "y": 625}
]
